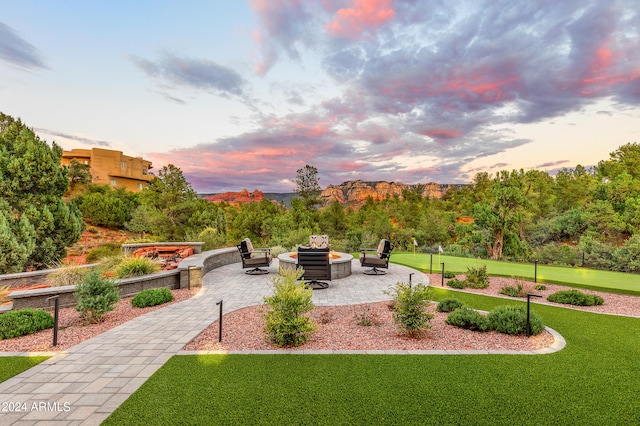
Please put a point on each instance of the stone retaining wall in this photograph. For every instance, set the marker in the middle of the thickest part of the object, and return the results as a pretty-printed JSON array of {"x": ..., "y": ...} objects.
[{"x": 189, "y": 274}]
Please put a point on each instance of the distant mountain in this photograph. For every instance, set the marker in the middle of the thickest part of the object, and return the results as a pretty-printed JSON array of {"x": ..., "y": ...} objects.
[
  {"x": 355, "y": 192},
  {"x": 351, "y": 193}
]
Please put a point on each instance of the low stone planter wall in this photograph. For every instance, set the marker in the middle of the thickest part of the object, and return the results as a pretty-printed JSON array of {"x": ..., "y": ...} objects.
[
  {"x": 189, "y": 274},
  {"x": 24, "y": 279},
  {"x": 128, "y": 249}
]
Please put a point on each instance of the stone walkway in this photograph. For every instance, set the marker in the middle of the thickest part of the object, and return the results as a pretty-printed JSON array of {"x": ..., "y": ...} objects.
[{"x": 90, "y": 380}]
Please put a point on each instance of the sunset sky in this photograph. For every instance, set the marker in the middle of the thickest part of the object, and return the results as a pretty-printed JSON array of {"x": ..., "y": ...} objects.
[{"x": 242, "y": 94}]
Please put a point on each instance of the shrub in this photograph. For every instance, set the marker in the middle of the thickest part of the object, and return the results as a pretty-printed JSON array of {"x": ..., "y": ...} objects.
[
  {"x": 96, "y": 296},
  {"x": 152, "y": 297},
  {"x": 517, "y": 290},
  {"x": 367, "y": 317},
  {"x": 66, "y": 275},
  {"x": 575, "y": 297},
  {"x": 285, "y": 324},
  {"x": 449, "y": 274},
  {"x": 513, "y": 320},
  {"x": 136, "y": 266},
  {"x": 540, "y": 287},
  {"x": 105, "y": 250},
  {"x": 449, "y": 305},
  {"x": 476, "y": 277},
  {"x": 4, "y": 292},
  {"x": 24, "y": 321},
  {"x": 468, "y": 318},
  {"x": 455, "y": 283},
  {"x": 410, "y": 314}
]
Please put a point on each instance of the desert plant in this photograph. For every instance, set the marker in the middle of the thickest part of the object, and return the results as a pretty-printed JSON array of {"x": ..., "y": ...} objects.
[
  {"x": 477, "y": 277},
  {"x": 449, "y": 274},
  {"x": 105, "y": 250},
  {"x": 468, "y": 318},
  {"x": 410, "y": 314},
  {"x": 367, "y": 317},
  {"x": 152, "y": 297},
  {"x": 4, "y": 292},
  {"x": 575, "y": 297},
  {"x": 326, "y": 316},
  {"x": 96, "y": 296},
  {"x": 517, "y": 290},
  {"x": 136, "y": 266},
  {"x": 456, "y": 283},
  {"x": 66, "y": 275},
  {"x": 513, "y": 320},
  {"x": 540, "y": 287},
  {"x": 449, "y": 305},
  {"x": 285, "y": 322},
  {"x": 510, "y": 290},
  {"x": 23, "y": 321}
]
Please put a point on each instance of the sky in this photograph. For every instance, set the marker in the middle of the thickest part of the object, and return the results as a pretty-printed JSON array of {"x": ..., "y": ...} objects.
[{"x": 243, "y": 94}]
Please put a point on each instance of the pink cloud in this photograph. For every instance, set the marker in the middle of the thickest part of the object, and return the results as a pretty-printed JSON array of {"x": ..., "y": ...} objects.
[{"x": 365, "y": 16}]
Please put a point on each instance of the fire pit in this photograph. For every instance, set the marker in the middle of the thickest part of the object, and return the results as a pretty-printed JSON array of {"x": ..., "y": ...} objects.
[{"x": 340, "y": 263}]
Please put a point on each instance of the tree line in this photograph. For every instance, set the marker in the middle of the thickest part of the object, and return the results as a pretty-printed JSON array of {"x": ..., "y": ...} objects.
[{"x": 580, "y": 216}]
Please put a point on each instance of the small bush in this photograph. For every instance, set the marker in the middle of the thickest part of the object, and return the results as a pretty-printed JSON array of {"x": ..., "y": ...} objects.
[
  {"x": 449, "y": 305},
  {"x": 476, "y": 277},
  {"x": 410, "y": 314},
  {"x": 367, "y": 317},
  {"x": 152, "y": 297},
  {"x": 66, "y": 275},
  {"x": 96, "y": 297},
  {"x": 106, "y": 250},
  {"x": 24, "y": 321},
  {"x": 468, "y": 318},
  {"x": 575, "y": 297},
  {"x": 449, "y": 274},
  {"x": 540, "y": 287},
  {"x": 326, "y": 317},
  {"x": 135, "y": 267},
  {"x": 455, "y": 283},
  {"x": 513, "y": 320},
  {"x": 4, "y": 292},
  {"x": 517, "y": 290},
  {"x": 285, "y": 324}
]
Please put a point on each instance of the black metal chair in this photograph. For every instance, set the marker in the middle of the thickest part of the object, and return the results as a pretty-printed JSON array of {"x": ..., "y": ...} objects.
[
  {"x": 254, "y": 258},
  {"x": 316, "y": 265},
  {"x": 378, "y": 260}
]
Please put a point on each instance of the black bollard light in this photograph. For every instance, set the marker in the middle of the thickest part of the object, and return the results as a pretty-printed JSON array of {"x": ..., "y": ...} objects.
[
  {"x": 528, "y": 326},
  {"x": 220, "y": 322},
  {"x": 56, "y": 309},
  {"x": 442, "y": 283},
  {"x": 431, "y": 264},
  {"x": 535, "y": 271},
  {"x": 410, "y": 275}
]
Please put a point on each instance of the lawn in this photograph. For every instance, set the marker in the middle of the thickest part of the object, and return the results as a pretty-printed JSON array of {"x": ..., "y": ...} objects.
[
  {"x": 12, "y": 365},
  {"x": 593, "y": 380},
  {"x": 617, "y": 282}
]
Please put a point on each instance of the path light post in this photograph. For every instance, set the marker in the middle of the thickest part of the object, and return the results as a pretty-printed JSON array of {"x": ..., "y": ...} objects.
[
  {"x": 528, "y": 326},
  {"x": 535, "y": 271},
  {"x": 410, "y": 275},
  {"x": 431, "y": 263},
  {"x": 56, "y": 308},
  {"x": 442, "y": 283},
  {"x": 220, "y": 322}
]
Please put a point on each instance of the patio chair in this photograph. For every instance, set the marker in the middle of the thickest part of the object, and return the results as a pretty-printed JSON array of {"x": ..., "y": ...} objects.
[
  {"x": 376, "y": 258},
  {"x": 254, "y": 258},
  {"x": 315, "y": 263}
]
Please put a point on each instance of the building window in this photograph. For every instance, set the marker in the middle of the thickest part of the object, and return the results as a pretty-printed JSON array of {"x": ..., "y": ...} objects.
[
  {"x": 144, "y": 171},
  {"x": 123, "y": 165},
  {"x": 86, "y": 161},
  {"x": 113, "y": 182},
  {"x": 140, "y": 186}
]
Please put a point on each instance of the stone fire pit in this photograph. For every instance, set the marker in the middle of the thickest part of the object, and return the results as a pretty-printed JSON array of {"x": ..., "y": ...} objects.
[{"x": 340, "y": 263}]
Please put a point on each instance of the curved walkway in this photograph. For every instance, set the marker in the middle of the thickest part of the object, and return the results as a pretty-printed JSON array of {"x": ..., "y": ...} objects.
[{"x": 89, "y": 381}]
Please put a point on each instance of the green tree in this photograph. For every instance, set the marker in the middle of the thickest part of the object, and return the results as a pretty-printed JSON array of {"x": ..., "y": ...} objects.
[
  {"x": 625, "y": 159},
  {"x": 103, "y": 206},
  {"x": 32, "y": 184},
  {"x": 79, "y": 175},
  {"x": 308, "y": 186}
]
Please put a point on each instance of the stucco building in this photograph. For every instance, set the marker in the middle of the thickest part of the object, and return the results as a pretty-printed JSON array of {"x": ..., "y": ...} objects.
[{"x": 112, "y": 168}]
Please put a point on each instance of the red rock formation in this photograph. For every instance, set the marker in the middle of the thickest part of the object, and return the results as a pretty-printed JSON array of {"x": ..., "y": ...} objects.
[{"x": 242, "y": 197}]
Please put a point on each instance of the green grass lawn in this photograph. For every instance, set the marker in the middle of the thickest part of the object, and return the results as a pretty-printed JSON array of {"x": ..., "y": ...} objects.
[
  {"x": 12, "y": 365},
  {"x": 593, "y": 380},
  {"x": 616, "y": 282}
]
